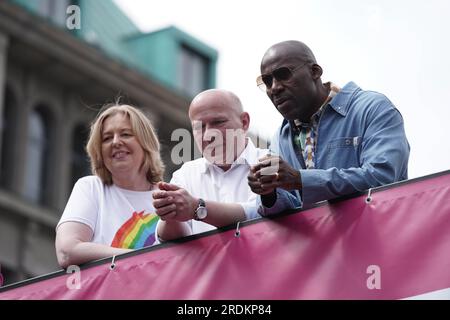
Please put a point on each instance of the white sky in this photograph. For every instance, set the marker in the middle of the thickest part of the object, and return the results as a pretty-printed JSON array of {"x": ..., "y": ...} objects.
[{"x": 397, "y": 47}]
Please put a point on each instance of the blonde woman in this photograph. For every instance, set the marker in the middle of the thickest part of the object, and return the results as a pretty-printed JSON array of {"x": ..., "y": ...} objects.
[{"x": 111, "y": 212}]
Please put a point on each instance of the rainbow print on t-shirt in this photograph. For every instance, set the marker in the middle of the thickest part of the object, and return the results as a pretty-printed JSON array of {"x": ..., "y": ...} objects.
[{"x": 136, "y": 232}]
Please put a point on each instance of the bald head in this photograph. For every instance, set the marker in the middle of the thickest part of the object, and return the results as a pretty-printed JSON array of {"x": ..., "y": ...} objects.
[
  {"x": 216, "y": 98},
  {"x": 298, "y": 92},
  {"x": 219, "y": 125},
  {"x": 289, "y": 50}
]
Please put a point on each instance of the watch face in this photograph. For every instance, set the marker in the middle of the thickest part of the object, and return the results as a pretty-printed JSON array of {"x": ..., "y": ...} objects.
[{"x": 201, "y": 213}]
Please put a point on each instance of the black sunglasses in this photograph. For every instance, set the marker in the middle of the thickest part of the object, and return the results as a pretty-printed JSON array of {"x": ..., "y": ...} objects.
[{"x": 265, "y": 81}]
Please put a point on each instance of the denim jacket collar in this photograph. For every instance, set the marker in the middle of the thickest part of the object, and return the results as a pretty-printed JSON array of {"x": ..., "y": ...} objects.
[{"x": 341, "y": 101}]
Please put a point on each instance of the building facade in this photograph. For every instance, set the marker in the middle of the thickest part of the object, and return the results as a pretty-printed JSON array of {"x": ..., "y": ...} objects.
[{"x": 53, "y": 81}]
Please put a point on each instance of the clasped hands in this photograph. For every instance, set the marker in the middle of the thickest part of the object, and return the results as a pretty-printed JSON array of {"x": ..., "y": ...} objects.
[{"x": 174, "y": 203}]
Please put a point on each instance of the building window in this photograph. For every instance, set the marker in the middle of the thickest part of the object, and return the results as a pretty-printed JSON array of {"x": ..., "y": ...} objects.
[
  {"x": 80, "y": 162},
  {"x": 37, "y": 157},
  {"x": 7, "y": 126},
  {"x": 192, "y": 71}
]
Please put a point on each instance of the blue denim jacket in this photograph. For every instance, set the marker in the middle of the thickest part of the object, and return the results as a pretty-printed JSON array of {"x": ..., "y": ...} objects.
[{"x": 361, "y": 143}]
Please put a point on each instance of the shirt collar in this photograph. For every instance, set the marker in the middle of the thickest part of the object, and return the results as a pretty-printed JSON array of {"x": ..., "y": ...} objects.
[
  {"x": 248, "y": 156},
  {"x": 341, "y": 102}
]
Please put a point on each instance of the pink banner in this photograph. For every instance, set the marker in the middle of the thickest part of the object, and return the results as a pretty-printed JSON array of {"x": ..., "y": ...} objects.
[{"x": 396, "y": 246}]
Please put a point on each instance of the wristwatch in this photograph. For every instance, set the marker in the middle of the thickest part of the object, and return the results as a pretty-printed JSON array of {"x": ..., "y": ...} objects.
[{"x": 200, "y": 213}]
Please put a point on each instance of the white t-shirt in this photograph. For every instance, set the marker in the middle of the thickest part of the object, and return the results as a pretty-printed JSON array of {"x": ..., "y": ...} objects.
[
  {"x": 209, "y": 182},
  {"x": 119, "y": 218}
]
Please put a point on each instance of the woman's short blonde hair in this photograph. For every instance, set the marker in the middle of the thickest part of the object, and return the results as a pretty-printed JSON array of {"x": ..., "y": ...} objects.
[{"x": 145, "y": 134}]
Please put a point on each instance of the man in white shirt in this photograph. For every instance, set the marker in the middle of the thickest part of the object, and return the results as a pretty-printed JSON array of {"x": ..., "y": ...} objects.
[{"x": 211, "y": 191}]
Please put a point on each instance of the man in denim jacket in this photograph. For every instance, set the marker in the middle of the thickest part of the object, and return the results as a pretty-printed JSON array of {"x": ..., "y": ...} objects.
[{"x": 332, "y": 142}]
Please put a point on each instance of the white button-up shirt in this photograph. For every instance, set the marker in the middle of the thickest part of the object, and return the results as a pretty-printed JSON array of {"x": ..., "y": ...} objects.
[{"x": 205, "y": 180}]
